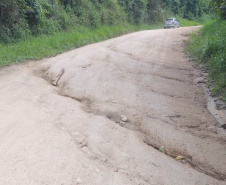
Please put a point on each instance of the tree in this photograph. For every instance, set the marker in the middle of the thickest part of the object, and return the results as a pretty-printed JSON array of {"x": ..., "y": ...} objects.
[
  {"x": 12, "y": 20},
  {"x": 154, "y": 11},
  {"x": 135, "y": 10},
  {"x": 220, "y": 7},
  {"x": 187, "y": 9}
]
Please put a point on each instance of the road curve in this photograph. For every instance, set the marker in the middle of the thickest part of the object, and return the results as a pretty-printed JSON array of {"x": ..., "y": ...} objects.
[{"x": 98, "y": 115}]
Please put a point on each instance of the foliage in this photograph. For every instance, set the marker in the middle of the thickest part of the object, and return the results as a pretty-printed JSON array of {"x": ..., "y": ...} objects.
[
  {"x": 12, "y": 23},
  {"x": 205, "y": 18},
  {"x": 190, "y": 10},
  {"x": 220, "y": 7},
  {"x": 50, "y": 45},
  {"x": 185, "y": 22},
  {"x": 22, "y": 18},
  {"x": 209, "y": 47},
  {"x": 95, "y": 13},
  {"x": 46, "y": 17},
  {"x": 155, "y": 11},
  {"x": 135, "y": 10}
]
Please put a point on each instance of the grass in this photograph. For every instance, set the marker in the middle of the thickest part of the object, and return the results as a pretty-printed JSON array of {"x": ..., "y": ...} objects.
[
  {"x": 185, "y": 22},
  {"x": 35, "y": 48},
  {"x": 208, "y": 47}
]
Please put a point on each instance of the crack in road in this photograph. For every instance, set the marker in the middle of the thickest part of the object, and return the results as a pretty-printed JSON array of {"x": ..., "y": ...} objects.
[
  {"x": 109, "y": 109},
  {"x": 115, "y": 117}
]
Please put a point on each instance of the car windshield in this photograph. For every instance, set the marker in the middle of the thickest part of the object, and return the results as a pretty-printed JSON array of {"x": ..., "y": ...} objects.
[{"x": 169, "y": 19}]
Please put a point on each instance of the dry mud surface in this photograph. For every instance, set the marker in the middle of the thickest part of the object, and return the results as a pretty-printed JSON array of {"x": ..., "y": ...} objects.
[{"x": 98, "y": 115}]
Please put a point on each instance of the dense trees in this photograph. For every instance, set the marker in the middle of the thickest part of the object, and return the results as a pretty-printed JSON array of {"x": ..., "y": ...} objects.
[
  {"x": 139, "y": 11},
  {"x": 191, "y": 9},
  {"x": 21, "y": 18},
  {"x": 220, "y": 7},
  {"x": 155, "y": 11},
  {"x": 135, "y": 9},
  {"x": 12, "y": 23}
]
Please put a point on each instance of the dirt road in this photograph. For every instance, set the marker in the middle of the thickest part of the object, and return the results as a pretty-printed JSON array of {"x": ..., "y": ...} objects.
[{"x": 98, "y": 115}]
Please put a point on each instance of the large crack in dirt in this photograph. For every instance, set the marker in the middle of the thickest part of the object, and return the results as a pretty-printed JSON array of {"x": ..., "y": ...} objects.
[{"x": 87, "y": 105}]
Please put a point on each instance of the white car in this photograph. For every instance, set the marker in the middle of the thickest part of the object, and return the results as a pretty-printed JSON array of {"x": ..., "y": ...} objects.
[{"x": 171, "y": 23}]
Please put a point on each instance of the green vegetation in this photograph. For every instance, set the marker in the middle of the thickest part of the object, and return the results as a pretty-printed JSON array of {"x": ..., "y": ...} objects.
[
  {"x": 209, "y": 48},
  {"x": 50, "y": 45},
  {"x": 185, "y": 22},
  {"x": 191, "y": 10},
  {"x": 20, "y": 19},
  {"x": 220, "y": 7},
  {"x": 33, "y": 29}
]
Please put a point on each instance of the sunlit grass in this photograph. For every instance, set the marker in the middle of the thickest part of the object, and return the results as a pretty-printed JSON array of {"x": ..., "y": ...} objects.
[
  {"x": 49, "y": 45},
  {"x": 208, "y": 47},
  {"x": 185, "y": 22}
]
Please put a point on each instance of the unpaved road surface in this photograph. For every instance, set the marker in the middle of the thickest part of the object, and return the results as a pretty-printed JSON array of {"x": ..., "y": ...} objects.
[{"x": 114, "y": 104}]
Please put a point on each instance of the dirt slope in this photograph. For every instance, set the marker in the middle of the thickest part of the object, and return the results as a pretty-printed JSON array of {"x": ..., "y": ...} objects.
[{"x": 113, "y": 105}]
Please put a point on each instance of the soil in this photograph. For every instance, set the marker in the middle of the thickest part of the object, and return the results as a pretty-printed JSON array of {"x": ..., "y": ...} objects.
[{"x": 99, "y": 114}]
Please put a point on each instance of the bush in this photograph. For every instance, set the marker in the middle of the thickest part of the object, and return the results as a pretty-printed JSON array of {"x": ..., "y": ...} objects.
[
  {"x": 21, "y": 18},
  {"x": 220, "y": 7},
  {"x": 45, "y": 17},
  {"x": 209, "y": 47},
  {"x": 12, "y": 22},
  {"x": 135, "y": 10},
  {"x": 155, "y": 12}
]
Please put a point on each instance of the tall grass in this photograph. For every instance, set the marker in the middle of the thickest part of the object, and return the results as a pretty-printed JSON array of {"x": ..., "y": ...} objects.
[
  {"x": 208, "y": 47},
  {"x": 49, "y": 45}
]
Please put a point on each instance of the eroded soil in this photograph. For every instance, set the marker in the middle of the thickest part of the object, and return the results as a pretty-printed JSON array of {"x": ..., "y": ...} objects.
[{"x": 98, "y": 115}]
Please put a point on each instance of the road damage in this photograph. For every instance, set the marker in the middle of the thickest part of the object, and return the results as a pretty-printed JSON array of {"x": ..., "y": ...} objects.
[{"x": 99, "y": 114}]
